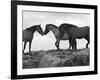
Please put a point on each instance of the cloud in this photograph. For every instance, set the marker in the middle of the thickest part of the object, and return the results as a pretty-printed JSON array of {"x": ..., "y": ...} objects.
[{"x": 43, "y": 18}]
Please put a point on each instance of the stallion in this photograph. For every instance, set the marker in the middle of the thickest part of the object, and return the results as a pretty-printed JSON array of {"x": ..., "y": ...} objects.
[
  {"x": 55, "y": 30},
  {"x": 75, "y": 32},
  {"x": 28, "y": 35}
]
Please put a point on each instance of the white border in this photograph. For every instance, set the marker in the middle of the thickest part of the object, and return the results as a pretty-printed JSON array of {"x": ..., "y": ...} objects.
[{"x": 21, "y": 71}]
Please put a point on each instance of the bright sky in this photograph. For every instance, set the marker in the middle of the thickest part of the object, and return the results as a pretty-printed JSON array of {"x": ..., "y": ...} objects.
[{"x": 48, "y": 42}]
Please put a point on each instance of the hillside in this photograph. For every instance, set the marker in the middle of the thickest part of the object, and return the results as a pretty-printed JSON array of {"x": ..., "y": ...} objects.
[{"x": 55, "y": 58}]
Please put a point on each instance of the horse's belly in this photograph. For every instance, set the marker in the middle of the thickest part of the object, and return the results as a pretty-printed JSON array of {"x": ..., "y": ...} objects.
[
  {"x": 65, "y": 37},
  {"x": 27, "y": 36}
]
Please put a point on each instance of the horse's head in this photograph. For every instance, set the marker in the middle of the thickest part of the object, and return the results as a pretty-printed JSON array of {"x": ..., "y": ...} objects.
[
  {"x": 50, "y": 27},
  {"x": 39, "y": 29},
  {"x": 47, "y": 29}
]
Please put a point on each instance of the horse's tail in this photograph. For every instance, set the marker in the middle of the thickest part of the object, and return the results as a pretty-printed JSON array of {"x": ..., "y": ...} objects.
[{"x": 88, "y": 30}]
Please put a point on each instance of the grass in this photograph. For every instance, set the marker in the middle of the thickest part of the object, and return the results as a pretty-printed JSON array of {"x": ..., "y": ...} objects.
[{"x": 65, "y": 58}]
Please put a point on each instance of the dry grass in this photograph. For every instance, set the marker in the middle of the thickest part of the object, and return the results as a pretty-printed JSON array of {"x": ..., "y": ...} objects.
[{"x": 55, "y": 58}]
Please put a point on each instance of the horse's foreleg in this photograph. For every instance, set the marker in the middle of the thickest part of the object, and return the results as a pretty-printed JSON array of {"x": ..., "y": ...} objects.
[
  {"x": 30, "y": 46},
  {"x": 24, "y": 46},
  {"x": 57, "y": 44},
  {"x": 74, "y": 44},
  {"x": 70, "y": 44}
]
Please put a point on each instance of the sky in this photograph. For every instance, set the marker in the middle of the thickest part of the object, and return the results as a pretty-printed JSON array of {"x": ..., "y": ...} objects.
[{"x": 47, "y": 42}]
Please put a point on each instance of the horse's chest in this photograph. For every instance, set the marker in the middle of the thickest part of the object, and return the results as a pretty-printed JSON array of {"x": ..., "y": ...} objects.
[{"x": 27, "y": 35}]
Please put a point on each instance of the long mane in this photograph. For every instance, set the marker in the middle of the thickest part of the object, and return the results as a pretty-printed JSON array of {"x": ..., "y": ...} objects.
[
  {"x": 52, "y": 25},
  {"x": 67, "y": 25},
  {"x": 31, "y": 28}
]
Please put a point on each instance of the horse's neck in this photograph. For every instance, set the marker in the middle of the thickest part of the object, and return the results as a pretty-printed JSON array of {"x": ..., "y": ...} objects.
[{"x": 31, "y": 29}]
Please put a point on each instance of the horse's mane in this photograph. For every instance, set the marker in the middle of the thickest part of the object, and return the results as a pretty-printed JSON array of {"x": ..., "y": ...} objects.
[
  {"x": 53, "y": 25},
  {"x": 67, "y": 25},
  {"x": 31, "y": 28}
]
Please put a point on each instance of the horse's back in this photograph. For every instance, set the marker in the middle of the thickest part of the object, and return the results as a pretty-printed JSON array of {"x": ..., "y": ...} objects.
[
  {"x": 66, "y": 26},
  {"x": 27, "y": 35},
  {"x": 74, "y": 31}
]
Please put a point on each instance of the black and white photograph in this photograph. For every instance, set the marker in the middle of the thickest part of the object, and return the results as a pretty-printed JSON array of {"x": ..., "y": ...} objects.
[{"x": 54, "y": 39}]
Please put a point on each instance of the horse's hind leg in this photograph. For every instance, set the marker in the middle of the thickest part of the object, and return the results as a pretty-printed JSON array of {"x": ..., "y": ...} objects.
[
  {"x": 87, "y": 38},
  {"x": 87, "y": 44},
  {"x": 24, "y": 46}
]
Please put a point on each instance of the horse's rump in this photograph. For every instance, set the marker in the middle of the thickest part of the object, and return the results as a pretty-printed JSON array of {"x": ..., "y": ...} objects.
[{"x": 79, "y": 32}]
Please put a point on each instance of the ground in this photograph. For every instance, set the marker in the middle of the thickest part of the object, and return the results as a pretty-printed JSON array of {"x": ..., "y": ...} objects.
[{"x": 56, "y": 58}]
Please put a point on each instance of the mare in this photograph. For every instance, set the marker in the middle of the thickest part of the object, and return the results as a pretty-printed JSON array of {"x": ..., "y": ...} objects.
[
  {"x": 75, "y": 32},
  {"x": 28, "y": 35},
  {"x": 55, "y": 30}
]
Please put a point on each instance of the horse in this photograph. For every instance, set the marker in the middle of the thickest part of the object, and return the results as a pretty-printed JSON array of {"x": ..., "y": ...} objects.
[
  {"x": 55, "y": 30},
  {"x": 75, "y": 32},
  {"x": 28, "y": 35}
]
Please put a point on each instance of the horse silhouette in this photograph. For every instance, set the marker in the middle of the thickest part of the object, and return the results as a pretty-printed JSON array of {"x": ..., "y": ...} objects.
[
  {"x": 55, "y": 30},
  {"x": 75, "y": 32},
  {"x": 28, "y": 35}
]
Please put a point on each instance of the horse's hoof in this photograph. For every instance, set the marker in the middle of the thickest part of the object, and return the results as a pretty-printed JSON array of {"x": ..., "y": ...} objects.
[
  {"x": 58, "y": 49},
  {"x": 30, "y": 54}
]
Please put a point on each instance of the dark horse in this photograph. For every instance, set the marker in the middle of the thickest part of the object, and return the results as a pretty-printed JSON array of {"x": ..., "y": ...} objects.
[
  {"x": 28, "y": 35},
  {"x": 55, "y": 30},
  {"x": 75, "y": 32}
]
